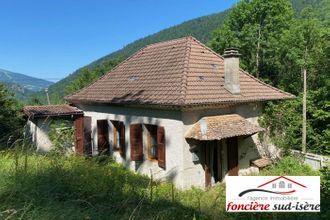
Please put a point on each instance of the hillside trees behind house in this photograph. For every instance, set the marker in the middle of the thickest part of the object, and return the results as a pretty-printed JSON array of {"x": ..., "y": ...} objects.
[
  {"x": 10, "y": 118},
  {"x": 271, "y": 36},
  {"x": 86, "y": 76},
  {"x": 254, "y": 27},
  {"x": 275, "y": 46},
  {"x": 200, "y": 28}
]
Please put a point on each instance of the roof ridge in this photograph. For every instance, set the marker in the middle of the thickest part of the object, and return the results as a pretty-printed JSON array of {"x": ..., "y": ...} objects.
[
  {"x": 123, "y": 62},
  {"x": 265, "y": 84},
  {"x": 185, "y": 70},
  {"x": 168, "y": 41},
  {"x": 119, "y": 64},
  {"x": 206, "y": 47},
  {"x": 245, "y": 72}
]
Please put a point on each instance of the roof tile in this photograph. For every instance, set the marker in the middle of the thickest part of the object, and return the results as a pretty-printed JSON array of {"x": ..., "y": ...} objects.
[{"x": 179, "y": 72}]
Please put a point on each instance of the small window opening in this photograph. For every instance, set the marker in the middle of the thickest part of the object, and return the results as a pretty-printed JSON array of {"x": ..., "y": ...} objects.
[{"x": 133, "y": 78}]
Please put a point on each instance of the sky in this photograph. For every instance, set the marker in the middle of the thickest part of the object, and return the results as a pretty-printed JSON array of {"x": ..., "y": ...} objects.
[{"x": 50, "y": 39}]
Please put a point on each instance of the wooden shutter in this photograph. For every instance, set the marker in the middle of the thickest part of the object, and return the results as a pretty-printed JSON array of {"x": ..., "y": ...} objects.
[
  {"x": 161, "y": 147},
  {"x": 207, "y": 165},
  {"x": 122, "y": 148},
  {"x": 79, "y": 133},
  {"x": 232, "y": 156},
  {"x": 114, "y": 133},
  {"x": 88, "y": 135},
  {"x": 136, "y": 142}
]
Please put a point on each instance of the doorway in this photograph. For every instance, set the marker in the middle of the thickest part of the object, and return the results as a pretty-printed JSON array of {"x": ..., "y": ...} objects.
[
  {"x": 213, "y": 162},
  {"x": 220, "y": 158},
  {"x": 232, "y": 156}
]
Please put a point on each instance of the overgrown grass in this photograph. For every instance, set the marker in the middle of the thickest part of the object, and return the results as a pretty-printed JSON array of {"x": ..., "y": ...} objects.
[{"x": 34, "y": 186}]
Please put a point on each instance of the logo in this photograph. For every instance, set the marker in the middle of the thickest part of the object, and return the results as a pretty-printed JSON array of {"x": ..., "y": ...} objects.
[{"x": 273, "y": 194}]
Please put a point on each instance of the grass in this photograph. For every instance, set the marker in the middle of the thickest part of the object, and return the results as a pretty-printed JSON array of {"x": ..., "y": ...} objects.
[{"x": 34, "y": 186}]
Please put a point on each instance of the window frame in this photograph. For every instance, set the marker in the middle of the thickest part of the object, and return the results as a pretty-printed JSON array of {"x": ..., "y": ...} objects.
[{"x": 151, "y": 134}]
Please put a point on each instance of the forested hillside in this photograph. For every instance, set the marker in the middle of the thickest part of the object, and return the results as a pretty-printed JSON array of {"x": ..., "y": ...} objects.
[
  {"x": 277, "y": 47},
  {"x": 277, "y": 41},
  {"x": 200, "y": 28}
]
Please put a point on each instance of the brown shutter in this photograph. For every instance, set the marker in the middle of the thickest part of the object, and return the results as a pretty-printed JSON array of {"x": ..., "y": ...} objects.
[
  {"x": 79, "y": 133},
  {"x": 161, "y": 147},
  {"x": 232, "y": 155},
  {"x": 136, "y": 142},
  {"x": 88, "y": 135},
  {"x": 122, "y": 148}
]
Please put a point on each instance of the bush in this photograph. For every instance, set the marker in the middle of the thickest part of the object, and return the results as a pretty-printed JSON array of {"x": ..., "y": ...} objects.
[
  {"x": 289, "y": 166},
  {"x": 34, "y": 186}
]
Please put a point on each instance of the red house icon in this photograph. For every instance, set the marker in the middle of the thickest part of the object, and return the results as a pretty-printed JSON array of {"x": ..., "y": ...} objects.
[{"x": 281, "y": 184}]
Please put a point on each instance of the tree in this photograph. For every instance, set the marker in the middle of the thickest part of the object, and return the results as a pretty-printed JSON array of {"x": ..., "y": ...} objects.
[
  {"x": 10, "y": 119},
  {"x": 278, "y": 47},
  {"x": 254, "y": 28},
  {"x": 85, "y": 77},
  {"x": 303, "y": 58},
  {"x": 303, "y": 48}
]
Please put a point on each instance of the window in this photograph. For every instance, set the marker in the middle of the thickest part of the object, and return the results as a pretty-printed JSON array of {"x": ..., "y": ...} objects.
[
  {"x": 118, "y": 137},
  {"x": 152, "y": 145},
  {"x": 102, "y": 136},
  {"x": 155, "y": 143}
]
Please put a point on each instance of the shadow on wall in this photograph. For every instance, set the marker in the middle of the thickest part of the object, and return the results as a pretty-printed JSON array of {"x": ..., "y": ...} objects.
[{"x": 170, "y": 174}]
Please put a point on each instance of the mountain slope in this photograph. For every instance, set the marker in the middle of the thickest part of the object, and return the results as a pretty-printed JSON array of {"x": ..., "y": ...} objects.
[
  {"x": 201, "y": 28},
  {"x": 24, "y": 81},
  {"x": 19, "y": 91}
]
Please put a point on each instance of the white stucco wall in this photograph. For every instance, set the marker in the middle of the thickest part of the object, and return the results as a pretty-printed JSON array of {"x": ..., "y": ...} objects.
[
  {"x": 248, "y": 148},
  {"x": 169, "y": 119},
  {"x": 180, "y": 167},
  {"x": 37, "y": 132}
]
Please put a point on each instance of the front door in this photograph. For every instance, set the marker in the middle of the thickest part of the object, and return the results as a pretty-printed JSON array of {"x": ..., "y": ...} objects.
[
  {"x": 232, "y": 156},
  {"x": 102, "y": 136},
  {"x": 212, "y": 166}
]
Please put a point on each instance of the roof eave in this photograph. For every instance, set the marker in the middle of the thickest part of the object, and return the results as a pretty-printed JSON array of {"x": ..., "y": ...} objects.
[{"x": 181, "y": 106}]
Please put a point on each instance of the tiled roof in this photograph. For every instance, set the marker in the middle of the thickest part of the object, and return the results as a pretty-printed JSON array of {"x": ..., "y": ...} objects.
[
  {"x": 179, "y": 72},
  {"x": 221, "y": 127},
  {"x": 50, "y": 110}
]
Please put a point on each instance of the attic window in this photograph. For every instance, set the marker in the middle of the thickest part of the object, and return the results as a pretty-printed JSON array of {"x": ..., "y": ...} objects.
[
  {"x": 215, "y": 66},
  {"x": 201, "y": 77},
  {"x": 133, "y": 78}
]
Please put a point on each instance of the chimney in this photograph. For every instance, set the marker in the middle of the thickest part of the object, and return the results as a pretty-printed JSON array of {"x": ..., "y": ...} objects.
[{"x": 231, "y": 59}]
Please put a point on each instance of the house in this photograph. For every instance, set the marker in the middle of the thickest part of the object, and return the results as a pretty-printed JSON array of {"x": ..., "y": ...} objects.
[
  {"x": 282, "y": 183},
  {"x": 176, "y": 110},
  {"x": 39, "y": 119}
]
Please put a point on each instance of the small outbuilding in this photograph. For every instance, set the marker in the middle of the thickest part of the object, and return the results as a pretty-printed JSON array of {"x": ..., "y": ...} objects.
[{"x": 39, "y": 119}]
